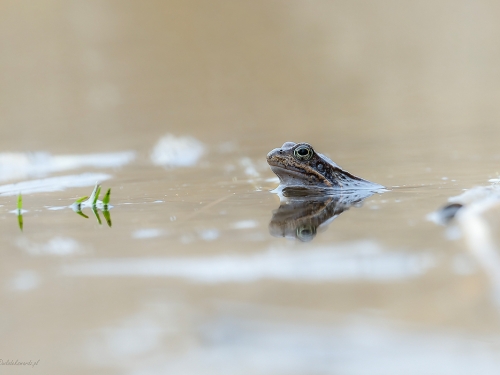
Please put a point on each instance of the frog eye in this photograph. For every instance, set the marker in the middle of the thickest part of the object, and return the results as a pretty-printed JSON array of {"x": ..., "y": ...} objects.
[
  {"x": 306, "y": 233},
  {"x": 303, "y": 153}
]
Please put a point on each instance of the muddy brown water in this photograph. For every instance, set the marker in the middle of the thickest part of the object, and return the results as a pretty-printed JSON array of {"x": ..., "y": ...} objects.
[{"x": 174, "y": 106}]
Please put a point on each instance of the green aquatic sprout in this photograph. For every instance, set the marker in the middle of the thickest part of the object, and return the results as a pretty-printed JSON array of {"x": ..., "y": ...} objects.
[
  {"x": 105, "y": 210},
  {"x": 107, "y": 216},
  {"x": 95, "y": 193},
  {"x": 105, "y": 200},
  {"x": 20, "y": 211},
  {"x": 82, "y": 214},
  {"x": 94, "y": 204},
  {"x": 96, "y": 213}
]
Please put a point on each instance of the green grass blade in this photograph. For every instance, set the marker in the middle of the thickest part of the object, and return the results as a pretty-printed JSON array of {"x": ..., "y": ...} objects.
[
  {"x": 96, "y": 197},
  {"x": 107, "y": 216},
  {"x": 106, "y": 198},
  {"x": 80, "y": 200},
  {"x": 97, "y": 215},
  {"x": 92, "y": 196},
  {"x": 82, "y": 214},
  {"x": 20, "y": 221}
]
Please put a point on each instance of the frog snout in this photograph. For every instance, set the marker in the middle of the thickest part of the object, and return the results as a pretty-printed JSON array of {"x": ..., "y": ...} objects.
[{"x": 273, "y": 153}]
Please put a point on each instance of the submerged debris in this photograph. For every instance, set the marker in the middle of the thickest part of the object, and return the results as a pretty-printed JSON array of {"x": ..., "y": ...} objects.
[
  {"x": 446, "y": 214},
  {"x": 469, "y": 209},
  {"x": 478, "y": 200}
]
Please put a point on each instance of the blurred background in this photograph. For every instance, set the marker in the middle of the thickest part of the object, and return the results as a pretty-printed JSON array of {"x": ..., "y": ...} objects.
[{"x": 174, "y": 105}]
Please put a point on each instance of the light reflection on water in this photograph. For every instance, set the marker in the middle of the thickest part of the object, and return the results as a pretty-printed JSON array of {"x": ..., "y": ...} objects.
[
  {"x": 51, "y": 184},
  {"x": 57, "y": 246},
  {"x": 18, "y": 166},
  {"x": 172, "y": 151},
  {"x": 348, "y": 262},
  {"x": 239, "y": 342},
  {"x": 350, "y": 348}
]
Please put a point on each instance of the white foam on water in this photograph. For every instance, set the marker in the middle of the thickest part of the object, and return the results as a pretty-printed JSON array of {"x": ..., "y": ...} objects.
[
  {"x": 172, "y": 151},
  {"x": 40, "y": 164},
  {"x": 50, "y": 184}
]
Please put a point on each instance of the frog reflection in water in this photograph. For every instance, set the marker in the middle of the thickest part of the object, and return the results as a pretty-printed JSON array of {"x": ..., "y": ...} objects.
[
  {"x": 301, "y": 217},
  {"x": 313, "y": 190}
]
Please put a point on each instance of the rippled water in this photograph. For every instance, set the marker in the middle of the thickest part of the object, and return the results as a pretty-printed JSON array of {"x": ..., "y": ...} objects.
[{"x": 201, "y": 268}]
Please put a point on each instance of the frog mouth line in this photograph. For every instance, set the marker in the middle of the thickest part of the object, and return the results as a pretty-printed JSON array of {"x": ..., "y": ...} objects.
[
  {"x": 289, "y": 169},
  {"x": 293, "y": 177},
  {"x": 280, "y": 171}
]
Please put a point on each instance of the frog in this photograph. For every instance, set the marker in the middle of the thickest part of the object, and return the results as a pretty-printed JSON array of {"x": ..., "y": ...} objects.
[{"x": 299, "y": 167}]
